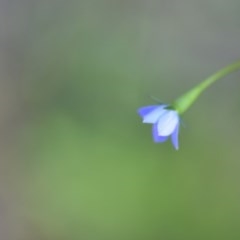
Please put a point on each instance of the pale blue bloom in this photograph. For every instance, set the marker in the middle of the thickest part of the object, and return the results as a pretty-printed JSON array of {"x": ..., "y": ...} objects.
[
  {"x": 165, "y": 122},
  {"x": 165, "y": 118}
]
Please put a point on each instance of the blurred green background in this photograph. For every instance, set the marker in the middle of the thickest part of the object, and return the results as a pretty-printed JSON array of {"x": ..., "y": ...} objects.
[{"x": 76, "y": 162}]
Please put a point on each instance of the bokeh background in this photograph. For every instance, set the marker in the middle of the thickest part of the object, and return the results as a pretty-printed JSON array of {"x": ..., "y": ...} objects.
[{"x": 75, "y": 160}]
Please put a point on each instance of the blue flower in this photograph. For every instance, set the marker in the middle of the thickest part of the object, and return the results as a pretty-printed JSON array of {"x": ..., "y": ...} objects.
[{"x": 165, "y": 122}]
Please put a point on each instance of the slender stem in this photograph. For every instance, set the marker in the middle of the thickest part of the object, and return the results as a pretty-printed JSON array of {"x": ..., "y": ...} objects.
[
  {"x": 220, "y": 74},
  {"x": 185, "y": 101}
]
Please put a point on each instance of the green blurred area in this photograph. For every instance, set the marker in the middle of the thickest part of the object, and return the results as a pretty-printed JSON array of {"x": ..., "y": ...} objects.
[{"x": 86, "y": 167}]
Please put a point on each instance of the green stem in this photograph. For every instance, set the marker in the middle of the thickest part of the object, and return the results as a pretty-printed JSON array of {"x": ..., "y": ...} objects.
[{"x": 186, "y": 100}]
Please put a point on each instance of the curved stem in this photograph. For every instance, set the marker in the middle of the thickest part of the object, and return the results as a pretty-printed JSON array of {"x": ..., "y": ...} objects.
[{"x": 185, "y": 101}]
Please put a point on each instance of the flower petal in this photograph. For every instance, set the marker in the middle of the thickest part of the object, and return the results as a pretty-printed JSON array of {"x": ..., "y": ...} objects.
[
  {"x": 156, "y": 137},
  {"x": 167, "y": 122},
  {"x": 145, "y": 110},
  {"x": 151, "y": 114},
  {"x": 175, "y": 137}
]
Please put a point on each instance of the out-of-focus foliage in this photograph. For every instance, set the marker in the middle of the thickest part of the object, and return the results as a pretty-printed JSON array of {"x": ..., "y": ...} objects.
[{"x": 76, "y": 161}]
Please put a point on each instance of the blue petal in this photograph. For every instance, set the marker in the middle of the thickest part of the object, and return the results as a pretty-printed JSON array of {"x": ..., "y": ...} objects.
[
  {"x": 156, "y": 137},
  {"x": 167, "y": 122},
  {"x": 175, "y": 137},
  {"x": 143, "y": 111},
  {"x": 151, "y": 114}
]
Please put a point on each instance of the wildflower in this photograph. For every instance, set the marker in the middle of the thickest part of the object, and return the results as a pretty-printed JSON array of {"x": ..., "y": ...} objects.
[
  {"x": 165, "y": 122},
  {"x": 165, "y": 118}
]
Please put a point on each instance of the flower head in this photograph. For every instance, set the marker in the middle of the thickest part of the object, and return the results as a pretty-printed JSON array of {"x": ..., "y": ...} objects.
[
  {"x": 165, "y": 122},
  {"x": 165, "y": 118}
]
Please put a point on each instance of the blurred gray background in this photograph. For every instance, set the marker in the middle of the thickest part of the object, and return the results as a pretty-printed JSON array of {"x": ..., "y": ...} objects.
[{"x": 75, "y": 160}]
